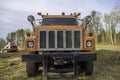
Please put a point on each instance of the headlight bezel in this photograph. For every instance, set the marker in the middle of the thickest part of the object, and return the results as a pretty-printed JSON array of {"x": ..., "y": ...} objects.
[
  {"x": 29, "y": 43},
  {"x": 89, "y": 43}
]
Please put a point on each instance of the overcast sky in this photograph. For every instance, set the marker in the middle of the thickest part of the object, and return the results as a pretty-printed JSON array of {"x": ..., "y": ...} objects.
[{"x": 13, "y": 13}]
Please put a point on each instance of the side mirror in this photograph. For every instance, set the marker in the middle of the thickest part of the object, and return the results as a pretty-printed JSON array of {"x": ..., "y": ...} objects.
[{"x": 31, "y": 18}]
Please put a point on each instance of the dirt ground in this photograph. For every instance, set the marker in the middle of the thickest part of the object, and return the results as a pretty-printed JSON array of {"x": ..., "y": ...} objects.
[
  {"x": 11, "y": 54},
  {"x": 107, "y": 67}
]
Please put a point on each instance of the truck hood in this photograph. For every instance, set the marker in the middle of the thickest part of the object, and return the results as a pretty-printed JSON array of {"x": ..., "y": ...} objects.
[{"x": 60, "y": 27}]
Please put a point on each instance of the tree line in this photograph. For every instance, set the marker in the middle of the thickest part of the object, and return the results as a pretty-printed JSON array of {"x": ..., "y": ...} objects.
[
  {"x": 104, "y": 27},
  {"x": 17, "y": 36}
]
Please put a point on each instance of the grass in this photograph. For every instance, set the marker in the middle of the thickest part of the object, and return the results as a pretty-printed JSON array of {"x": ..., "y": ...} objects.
[
  {"x": 107, "y": 67},
  {"x": 108, "y": 47},
  {"x": 14, "y": 69}
]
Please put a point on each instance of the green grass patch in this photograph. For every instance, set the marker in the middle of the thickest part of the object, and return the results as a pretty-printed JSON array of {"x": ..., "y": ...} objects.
[
  {"x": 107, "y": 67},
  {"x": 108, "y": 47}
]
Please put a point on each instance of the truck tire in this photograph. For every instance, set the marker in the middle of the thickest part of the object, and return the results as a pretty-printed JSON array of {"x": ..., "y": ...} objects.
[
  {"x": 32, "y": 67},
  {"x": 89, "y": 68},
  {"x": 81, "y": 67}
]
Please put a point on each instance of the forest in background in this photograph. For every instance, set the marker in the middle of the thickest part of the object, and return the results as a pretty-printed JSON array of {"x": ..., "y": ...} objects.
[
  {"x": 106, "y": 28},
  {"x": 17, "y": 36}
]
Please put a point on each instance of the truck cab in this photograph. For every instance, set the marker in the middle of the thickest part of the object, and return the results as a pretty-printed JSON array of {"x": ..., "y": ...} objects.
[{"x": 59, "y": 42}]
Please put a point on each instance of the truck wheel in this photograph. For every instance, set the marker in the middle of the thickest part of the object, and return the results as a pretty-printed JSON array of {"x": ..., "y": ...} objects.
[
  {"x": 32, "y": 67},
  {"x": 81, "y": 67},
  {"x": 89, "y": 68}
]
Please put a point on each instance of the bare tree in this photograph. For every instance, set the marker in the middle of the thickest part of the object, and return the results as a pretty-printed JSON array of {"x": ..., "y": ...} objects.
[
  {"x": 2, "y": 43},
  {"x": 95, "y": 23},
  {"x": 109, "y": 30}
]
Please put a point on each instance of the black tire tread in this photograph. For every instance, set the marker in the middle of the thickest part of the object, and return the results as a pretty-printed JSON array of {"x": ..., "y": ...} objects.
[
  {"x": 89, "y": 68},
  {"x": 32, "y": 67}
]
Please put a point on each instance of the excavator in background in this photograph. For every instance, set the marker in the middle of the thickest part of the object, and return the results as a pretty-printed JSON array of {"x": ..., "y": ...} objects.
[{"x": 11, "y": 47}]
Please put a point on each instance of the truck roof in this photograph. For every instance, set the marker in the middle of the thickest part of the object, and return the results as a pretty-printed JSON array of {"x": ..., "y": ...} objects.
[
  {"x": 58, "y": 16},
  {"x": 72, "y": 15}
]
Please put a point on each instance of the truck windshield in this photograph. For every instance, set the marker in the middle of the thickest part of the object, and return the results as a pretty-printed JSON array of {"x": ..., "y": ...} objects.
[{"x": 59, "y": 21}]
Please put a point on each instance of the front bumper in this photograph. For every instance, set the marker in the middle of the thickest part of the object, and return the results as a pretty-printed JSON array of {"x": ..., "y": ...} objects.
[{"x": 78, "y": 56}]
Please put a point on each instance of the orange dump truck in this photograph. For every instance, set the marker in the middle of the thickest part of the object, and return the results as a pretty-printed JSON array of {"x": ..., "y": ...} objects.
[{"x": 59, "y": 45}]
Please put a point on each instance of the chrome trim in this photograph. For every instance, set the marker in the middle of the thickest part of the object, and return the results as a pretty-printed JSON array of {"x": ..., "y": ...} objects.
[{"x": 64, "y": 40}]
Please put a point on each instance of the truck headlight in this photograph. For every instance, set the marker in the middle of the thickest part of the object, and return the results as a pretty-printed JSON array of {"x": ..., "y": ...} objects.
[
  {"x": 30, "y": 44},
  {"x": 89, "y": 43}
]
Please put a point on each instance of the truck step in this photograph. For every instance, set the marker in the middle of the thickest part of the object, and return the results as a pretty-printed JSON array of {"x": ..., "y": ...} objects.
[
  {"x": 61, "y": 70},
  {"x": 70, "y": 76},
  {"x": 61, "y": 76}
]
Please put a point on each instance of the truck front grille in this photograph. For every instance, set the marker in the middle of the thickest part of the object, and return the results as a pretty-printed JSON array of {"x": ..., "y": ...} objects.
[{"x": 52, "y": 40}]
